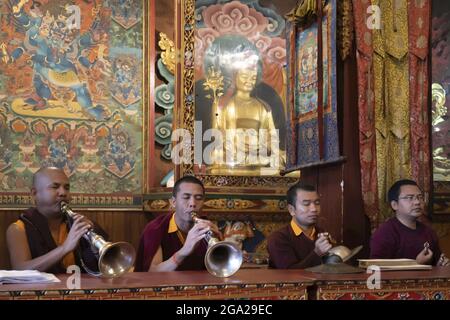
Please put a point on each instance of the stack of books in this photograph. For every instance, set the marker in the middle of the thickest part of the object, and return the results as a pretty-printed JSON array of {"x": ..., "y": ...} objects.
[{"x": 393, "y": 264}]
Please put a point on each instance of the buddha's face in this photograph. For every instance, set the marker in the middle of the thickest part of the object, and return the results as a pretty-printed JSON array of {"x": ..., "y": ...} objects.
[{"x": 246, "y": 79}]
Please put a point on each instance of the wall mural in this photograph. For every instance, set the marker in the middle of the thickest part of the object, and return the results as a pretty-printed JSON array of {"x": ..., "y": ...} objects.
[{"x": 71, "y": 79}]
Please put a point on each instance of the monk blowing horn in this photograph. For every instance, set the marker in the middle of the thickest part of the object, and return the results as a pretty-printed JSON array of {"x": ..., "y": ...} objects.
[{"x": 114, "y": 259}]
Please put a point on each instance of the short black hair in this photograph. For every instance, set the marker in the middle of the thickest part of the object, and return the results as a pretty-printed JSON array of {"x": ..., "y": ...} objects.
[
  {"x": 292, "y": 192},
  {"x": 394, "y": 191},
  {"x": 186, "y": 179}
]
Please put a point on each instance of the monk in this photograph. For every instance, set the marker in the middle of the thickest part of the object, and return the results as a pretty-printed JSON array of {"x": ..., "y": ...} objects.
[
  {"x": 173, "y": 241},
  {"x": 299, "y": 245},
  {"x": 41, "y": 239},
  {"x": 404, "y": 236}
]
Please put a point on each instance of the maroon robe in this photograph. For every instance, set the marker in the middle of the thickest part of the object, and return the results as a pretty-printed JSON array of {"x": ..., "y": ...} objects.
[
  {"x": 288, "y": 251},
  {"x": 394, "y": 240},
  {"x": 155, "y": 235},
  {"x": 40, "y": 241}
]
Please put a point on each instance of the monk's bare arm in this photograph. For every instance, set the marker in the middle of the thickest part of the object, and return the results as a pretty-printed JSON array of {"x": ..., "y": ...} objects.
[
  {"x": 20, "y": 255},
  {"x": 169, "y": 265}
]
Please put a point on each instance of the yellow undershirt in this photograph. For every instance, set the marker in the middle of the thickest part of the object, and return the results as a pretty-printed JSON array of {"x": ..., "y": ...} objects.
[
  {"x": 298, "y": 231},
  {"x": 174, "y": 228},
  {"x": 68, "y": 259}
]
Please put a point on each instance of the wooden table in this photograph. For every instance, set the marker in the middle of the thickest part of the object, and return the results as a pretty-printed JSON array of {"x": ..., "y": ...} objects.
[{"x": 246, "y": 283}]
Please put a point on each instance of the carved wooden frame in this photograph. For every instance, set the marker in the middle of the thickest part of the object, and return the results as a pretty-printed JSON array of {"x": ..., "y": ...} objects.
[{"x": 185, "y": 115}]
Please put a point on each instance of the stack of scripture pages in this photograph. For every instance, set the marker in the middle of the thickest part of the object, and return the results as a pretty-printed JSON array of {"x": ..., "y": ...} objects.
[
  {"x": 26, "y": 276},
  {"x": 394, "y": 264}
]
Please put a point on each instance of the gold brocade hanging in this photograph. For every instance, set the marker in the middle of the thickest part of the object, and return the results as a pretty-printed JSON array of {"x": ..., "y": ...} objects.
[
  {"x": 392, "y": 70},
  {"x": 391, "y": 98},
  {"x": 303, "y": 10},
  {"x": 366, "y": 112},
  {"x": 419, "y": 37}
]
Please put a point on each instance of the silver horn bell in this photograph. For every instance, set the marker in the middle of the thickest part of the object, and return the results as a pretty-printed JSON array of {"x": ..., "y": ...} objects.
[
  {"x": 222, "y": 258},
  {"x": 114, "y": 259}
]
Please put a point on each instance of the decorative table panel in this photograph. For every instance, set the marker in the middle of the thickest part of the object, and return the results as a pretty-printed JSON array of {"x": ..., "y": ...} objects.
[
  {"x": 395, "y": 285},
  {"x": 245, "y": 284}
]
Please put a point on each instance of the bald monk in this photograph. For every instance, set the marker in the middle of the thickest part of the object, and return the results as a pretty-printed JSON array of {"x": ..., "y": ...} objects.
[
  {"x": 41, "y": 239},
  {"x": 173, "y": 241}
]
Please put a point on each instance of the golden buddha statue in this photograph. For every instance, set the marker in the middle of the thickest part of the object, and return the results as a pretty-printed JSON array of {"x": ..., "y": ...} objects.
[
  {"x": 247, "y": 114},
  {"x": 251, "y": 139}
]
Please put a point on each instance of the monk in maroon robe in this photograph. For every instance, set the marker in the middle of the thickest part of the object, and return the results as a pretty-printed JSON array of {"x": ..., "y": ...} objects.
[
  {"x": 41, "y": 239},
  {"x": 173, "y": 241},
  {"x": 404, "y": 236},
  {"x": 299, "y": 245}
]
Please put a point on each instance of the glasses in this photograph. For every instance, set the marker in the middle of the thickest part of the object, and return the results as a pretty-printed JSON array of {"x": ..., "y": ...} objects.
[{"x": 411, "y": 198}]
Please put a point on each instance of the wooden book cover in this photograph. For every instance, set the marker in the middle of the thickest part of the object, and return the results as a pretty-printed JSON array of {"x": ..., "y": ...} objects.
[{"x": 393, "y": 264}]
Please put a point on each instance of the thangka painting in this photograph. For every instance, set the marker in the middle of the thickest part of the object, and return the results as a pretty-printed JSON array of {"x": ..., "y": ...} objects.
[
  {"x": 312, "y": 126},
  {"x": 71, "y": 94},
  {"x": 240, "y": 59},
  {"x": 440, "y": 44}
]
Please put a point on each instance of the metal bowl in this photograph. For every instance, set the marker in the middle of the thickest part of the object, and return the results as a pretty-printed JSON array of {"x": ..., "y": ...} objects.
[{"x": 341, "y": 254}]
